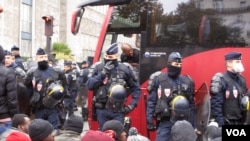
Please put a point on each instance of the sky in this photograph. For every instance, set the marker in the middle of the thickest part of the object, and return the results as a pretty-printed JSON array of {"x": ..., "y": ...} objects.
[{"x": 171, "y": 5}]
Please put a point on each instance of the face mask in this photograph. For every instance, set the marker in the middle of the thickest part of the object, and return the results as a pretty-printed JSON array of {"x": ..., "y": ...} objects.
[
  {"x": 238, "y": 67},
  {"x": 173, "y": 71},
  {"x": 114, "y": 61},
  {"x": 43, "y": 65}
]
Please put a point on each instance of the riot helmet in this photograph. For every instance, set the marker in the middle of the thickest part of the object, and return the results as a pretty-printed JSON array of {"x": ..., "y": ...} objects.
[
  {"x": 54, "y": 93},
  {"x": 116, "y": 98},
  {"x": 180, "y": 108}
]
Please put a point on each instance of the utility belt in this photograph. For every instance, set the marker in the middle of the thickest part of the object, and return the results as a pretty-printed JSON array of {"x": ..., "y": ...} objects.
[
  {"x": 162, "y": 117},
  {"x": 110, "y": 107}
]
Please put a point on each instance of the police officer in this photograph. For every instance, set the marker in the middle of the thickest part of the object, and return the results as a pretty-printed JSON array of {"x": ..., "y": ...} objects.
[
  {"x": 71, "y": 77},
  {"x": 103, "y": 76},
  {"x": 82, "y": 81},
  {"x": 163, "y": 88},
  {"x": 18, "y": 58},
  {"x": 48, "y": 88},
  {"x": 227, "y": 89}
]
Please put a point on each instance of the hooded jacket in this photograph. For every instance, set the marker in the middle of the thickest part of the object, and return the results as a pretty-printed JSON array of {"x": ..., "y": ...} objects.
[{"x": 8, "y": 92}]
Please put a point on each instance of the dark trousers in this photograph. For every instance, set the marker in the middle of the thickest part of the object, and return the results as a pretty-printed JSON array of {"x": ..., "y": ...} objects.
[
  {"x": 104, "y": 115},
  {"x": 50, "y": 114},
  {"x": 164, "y": 130},
  {"x": 69, "y": 105}
]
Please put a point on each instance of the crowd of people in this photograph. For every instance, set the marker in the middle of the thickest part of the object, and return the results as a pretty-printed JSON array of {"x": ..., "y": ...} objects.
[{"x": 38, "y": 104}]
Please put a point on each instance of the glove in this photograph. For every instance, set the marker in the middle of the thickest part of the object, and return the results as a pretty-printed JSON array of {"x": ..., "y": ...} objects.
[
  {"x": 151, "y": 126},
  {"x": 128, "y": 109},
  {"x": 108, "y": 67}
]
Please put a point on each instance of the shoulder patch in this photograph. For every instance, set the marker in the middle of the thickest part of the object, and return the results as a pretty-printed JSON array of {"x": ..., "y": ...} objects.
[
  {"x": 216, "y": 85},
  {"x": 151, "y": 81}
]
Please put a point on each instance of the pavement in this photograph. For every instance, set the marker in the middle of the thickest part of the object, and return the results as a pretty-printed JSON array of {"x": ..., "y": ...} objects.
[{"x": 78, "y": 113}]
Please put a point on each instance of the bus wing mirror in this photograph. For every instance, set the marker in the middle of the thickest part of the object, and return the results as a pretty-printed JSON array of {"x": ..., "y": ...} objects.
[
  {"x": 103, "y": 2},
  {"x": 76, "y": 20}
]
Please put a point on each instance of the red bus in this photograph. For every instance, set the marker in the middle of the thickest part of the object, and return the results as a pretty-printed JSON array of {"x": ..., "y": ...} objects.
[{"x": 202, "y": 36}]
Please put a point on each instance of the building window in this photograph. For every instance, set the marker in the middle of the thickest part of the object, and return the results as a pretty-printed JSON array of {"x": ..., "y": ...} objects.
[
  {"x": 26, "y": 48},
  {"x": 26, "y": 18},
  {"x": 240, "y": 18},
  {"x": 248, "y": 33},
  {"x": 218, "y": 5},
  {"x": 243, "y": 5}
]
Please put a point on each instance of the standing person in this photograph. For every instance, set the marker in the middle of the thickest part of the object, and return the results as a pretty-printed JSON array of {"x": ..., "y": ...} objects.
[
  {"x": 109, "y": 80},
  {"x": 163, "y": 87},
  {"x": 76, "y": 70},
  {"x": 22, "y": 93},
  {"x": 227, "y": 89},
  {"x": 18, "y": 58},
  {"x": 83, "y": 92},
  {"x": 48, "y": 86},
  {"x": 9, "y": 62},
  {"x": 71, "y": 77},
  {"x": 8, "y": 95}
]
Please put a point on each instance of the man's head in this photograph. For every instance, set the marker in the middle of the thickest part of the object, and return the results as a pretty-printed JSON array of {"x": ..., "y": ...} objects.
[
  {"x": 74, "y": 123},
  {"x": 9, "y": 58},
  {"x": 73, "y": 65},
  {"x": 182, "y": 130},
  {"x": 234, "y": 62},
  {"x": 67, "y": 65},
  {"x": 41, "y": 130},
  {"x": 117, "y": 127},
  {"x": 127, "y": 49},
  {"x": 21, "y": 122},
  {"x": 174, "y": 64},
  {"x": 85, "y": 64},
  {"x": 15, "y": 50},
  {"x": 42, "y": 59}
]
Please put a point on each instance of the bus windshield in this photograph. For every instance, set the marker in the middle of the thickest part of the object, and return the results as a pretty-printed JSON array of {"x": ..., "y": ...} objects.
[
  {"x": 188, "y": 25},
  {"x": 191, "y": 28}
]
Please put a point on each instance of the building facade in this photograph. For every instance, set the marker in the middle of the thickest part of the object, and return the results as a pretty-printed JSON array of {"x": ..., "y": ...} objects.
[
  {"x": 234, "y": 13},
  {"x": 22, "y": 25}
]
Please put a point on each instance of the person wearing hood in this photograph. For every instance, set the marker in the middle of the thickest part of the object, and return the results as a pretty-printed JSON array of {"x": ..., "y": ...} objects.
[{"x": 8, "y": 95}]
